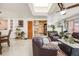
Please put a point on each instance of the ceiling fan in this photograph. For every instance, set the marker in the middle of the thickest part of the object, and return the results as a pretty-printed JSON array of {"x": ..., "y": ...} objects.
[{"x": 63, "y": 8}]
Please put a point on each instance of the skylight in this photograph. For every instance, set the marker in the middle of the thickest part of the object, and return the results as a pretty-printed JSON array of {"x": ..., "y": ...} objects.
[{"x": 41, "y": 7}]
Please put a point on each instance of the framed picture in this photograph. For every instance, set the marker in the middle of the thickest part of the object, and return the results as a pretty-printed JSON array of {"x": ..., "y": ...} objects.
[
  {"x": 3, "y": 24},
  {"x": 20, "y": 23}
]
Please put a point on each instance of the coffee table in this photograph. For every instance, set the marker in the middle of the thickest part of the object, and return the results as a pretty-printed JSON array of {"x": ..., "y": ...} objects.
[{"x": 69, "y": 48}]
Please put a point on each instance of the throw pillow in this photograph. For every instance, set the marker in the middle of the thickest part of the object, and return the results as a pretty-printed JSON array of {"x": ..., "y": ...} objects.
[{"x": 45, "y": 40}]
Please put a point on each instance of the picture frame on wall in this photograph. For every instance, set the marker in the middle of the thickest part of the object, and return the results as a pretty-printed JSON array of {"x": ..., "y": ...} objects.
[
  {"x": 20, "y": 23},
  {"x": 3, "y": 24}
]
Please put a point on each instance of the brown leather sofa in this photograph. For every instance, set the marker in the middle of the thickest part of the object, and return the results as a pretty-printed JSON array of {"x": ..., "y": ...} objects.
[
  {"x": 39, "y": 50},
  {"x": 53, "y": 35},
  {"x": 75, "y": 35}
]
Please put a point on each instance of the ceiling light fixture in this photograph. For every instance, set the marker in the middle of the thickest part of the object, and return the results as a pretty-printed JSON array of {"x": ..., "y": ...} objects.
[{"x": 63, "y": 12}]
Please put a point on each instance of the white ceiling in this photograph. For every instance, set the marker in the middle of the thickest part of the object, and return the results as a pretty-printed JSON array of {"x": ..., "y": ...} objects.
[
  {"x": 15, "y": 10},
  {"x": 44, "y": 9},
  {"x": 29, "y": 9}
]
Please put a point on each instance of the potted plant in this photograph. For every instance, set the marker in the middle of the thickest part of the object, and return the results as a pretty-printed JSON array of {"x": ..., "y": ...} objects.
[
  {"x": 64, "y": 34},
  {"x": 61, "y": 34},
  {"x": 22, "y": 34},
  {"x": 53, "y": 27},
  {"x": 18, "y": 32}
]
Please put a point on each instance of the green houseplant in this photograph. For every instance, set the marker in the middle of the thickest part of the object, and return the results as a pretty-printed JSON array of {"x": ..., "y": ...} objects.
[
  {"x": 22, "y": 34},
  {"x": 64, "y": 34},
  {"x": 18, "y": 31},
  {"x": 53, "y": 27}
]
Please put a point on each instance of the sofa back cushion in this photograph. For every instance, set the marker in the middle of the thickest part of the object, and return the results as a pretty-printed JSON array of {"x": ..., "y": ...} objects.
[
  {"x": 38, "y": 41},
  {"x": 53, "y": 33},
  {"x": 45, "y": 40}
]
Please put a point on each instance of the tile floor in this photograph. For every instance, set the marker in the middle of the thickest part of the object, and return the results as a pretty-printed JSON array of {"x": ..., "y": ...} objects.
[{"x": 18, "y": 48}]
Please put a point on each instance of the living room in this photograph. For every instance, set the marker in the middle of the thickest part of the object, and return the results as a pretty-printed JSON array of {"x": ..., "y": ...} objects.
[{"x": 31, "y": 21}]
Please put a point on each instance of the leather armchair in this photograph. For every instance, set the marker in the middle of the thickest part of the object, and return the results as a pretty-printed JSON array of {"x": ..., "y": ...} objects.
[
  {"x": 53, "y": 35},
  {"x": 39, "y": 50}
]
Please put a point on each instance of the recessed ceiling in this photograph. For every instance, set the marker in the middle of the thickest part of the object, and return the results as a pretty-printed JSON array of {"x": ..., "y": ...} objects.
[{"x": 40, "y": 8}]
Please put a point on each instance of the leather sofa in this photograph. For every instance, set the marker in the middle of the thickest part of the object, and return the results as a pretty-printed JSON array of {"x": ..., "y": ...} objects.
[
  {"x": 75, "y": 35},
  {"x": 40, "y": 50},
  {"x": 53, "y": 35}
]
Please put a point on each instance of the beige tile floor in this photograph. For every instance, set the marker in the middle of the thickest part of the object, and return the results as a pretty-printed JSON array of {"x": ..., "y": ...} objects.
[{"x": 18, "y": 48}]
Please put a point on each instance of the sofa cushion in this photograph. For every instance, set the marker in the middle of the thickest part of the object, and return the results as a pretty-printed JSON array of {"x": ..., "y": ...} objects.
[
  {"x": 45, "y": 40},
  {"x": 38, "y": 41},
  {"x": 50, "y": 46},
  {"x": 55, "y": 37}
]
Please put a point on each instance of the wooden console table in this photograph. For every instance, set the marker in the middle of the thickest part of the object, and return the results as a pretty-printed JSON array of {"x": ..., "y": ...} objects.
[{"x": 69, "y": 48}]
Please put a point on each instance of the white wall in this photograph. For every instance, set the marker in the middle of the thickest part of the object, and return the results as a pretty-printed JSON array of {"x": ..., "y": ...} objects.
[
  {"x": 24, "y": 28},
  {"x": 15, "y": 12},
  {"x": 15, "y": 24}
]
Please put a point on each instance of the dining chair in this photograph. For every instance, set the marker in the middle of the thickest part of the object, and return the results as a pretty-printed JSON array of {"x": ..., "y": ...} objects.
[
  {"x": 0, "y": 45},
  {"x": 5, "y": 38}
]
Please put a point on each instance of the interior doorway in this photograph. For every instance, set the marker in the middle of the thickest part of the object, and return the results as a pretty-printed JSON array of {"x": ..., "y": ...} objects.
[{"x": 30, "y": 30}]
